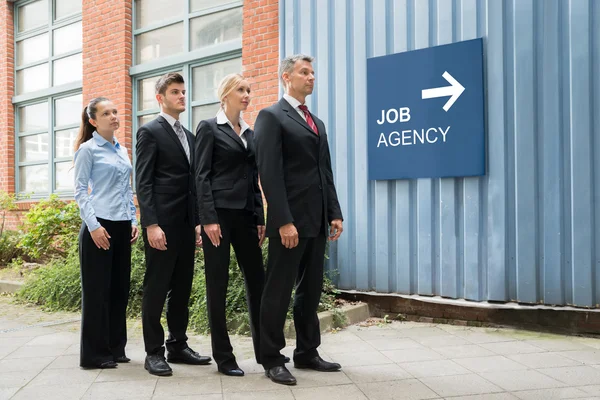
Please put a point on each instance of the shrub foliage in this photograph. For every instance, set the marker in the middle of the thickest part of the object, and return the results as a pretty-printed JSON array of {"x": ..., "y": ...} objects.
[{"x": 53, "y": 227}]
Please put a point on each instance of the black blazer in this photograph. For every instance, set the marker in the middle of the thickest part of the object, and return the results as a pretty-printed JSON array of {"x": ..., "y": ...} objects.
[
  {"x": 165, "y": 185},
  {"x": 295, "y": 171},
  {"x": 226, "y": 173}
]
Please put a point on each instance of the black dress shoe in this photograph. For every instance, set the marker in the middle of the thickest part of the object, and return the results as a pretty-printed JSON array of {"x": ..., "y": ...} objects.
[
  {"x": 286, "y": 359},
  {"x": 156, "y": 365},
  {"x": 122, "y": 359},
  {"x": 318, "y": 364},
  {"x": 281, "y": 375},
  {"x": 235, "y": 371},
  {"x": 188, "y": 356}
]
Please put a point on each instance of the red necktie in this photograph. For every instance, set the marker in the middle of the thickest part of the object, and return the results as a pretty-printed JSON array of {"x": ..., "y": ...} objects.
[{"x": 309, "y": 119}]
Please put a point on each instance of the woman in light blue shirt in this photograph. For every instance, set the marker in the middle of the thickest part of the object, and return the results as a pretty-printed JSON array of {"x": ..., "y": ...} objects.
[{"x": 108, "y": 230}]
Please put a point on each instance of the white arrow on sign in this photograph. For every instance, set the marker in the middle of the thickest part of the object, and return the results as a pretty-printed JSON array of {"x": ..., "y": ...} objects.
[{"x": 454, "y": 90}]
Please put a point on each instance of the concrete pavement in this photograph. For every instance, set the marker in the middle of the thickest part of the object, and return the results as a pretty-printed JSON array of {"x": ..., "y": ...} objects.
[{"x": 399, "y": 360}]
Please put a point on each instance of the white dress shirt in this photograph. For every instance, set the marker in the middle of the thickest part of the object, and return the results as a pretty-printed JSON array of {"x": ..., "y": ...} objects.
[
  {"x": 295, "y": 103},
  {"x": 222, "y": 119}
]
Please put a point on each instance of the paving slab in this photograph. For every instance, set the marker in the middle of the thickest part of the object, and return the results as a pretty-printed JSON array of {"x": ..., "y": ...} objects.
[{"x": 39, "y": 358}]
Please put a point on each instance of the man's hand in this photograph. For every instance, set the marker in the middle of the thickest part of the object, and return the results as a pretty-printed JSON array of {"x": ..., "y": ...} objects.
[
  {"x": 289, "y": 236},
  {"x": 135, "y": 233},
  {"x": 261, "y": 234},
  {"x": 198, "y": 235},
  {"x": 335, "y": 230},
  {"x": 156, "y": 237},
  {"x": 100, "y": 238},
  {"x": 213, "y": 231}
]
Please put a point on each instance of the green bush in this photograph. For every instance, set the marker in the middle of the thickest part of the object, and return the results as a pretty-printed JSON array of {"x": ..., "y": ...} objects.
[
  {"x": 9, "y": 251},
  {"x": 57, "y": 286},
  {"x": 51, "y": 227}
]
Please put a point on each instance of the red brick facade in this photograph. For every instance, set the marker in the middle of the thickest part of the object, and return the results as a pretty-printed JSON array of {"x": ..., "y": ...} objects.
[
  {"x": 260, "y": 53},
  {"x": 108, "y": 55},
  {"x": 7, "y": 83}
]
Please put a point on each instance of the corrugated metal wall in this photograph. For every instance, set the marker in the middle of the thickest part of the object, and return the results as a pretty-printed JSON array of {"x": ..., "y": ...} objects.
[{"x": 529, "y": 230}]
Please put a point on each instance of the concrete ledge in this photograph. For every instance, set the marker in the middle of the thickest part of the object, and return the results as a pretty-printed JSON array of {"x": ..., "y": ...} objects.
[
  {"x": 327, "y": 319},
  {"x": 460, "y": 312},
  {"x": 10, "y": 286}
]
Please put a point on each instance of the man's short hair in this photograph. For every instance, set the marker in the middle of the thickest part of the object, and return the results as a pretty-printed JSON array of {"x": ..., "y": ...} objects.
[
  {"x": 287, "y": 64},
  {"x": 164, "y": 81}
]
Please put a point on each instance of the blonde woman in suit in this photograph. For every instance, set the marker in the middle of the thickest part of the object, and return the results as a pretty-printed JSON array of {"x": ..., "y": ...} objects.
[{"x": 231, "y": 213}]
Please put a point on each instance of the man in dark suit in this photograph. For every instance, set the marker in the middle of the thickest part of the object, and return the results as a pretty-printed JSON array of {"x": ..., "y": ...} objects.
[
  {"x": 294, "y": 165},
  {"x": 167, "y": 198}
]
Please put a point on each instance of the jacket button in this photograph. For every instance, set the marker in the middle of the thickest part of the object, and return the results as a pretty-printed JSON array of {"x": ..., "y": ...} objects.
[
  {"x": 320, "y": 187},
  {"x": 245, "y": 176}
]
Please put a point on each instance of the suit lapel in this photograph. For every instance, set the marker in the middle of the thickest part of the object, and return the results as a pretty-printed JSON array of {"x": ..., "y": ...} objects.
[
  {"x": 291, "y": 111},
  {"x": 231, "y": 133},
  {"x": 174, "y": 136}
]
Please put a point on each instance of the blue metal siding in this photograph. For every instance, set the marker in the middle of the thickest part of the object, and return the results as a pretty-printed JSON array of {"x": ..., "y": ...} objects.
[{"x": 528, "y": 231}]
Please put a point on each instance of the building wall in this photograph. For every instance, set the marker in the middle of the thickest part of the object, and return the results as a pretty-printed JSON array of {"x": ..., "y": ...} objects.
[
  {"x": 260, "y": 53},
  {"x": 7, "y": 118},
  {"x": 107, "y": 57},
  {"x": 528, "y": 231}
]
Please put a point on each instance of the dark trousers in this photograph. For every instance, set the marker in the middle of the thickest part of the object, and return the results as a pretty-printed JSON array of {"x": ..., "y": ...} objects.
[
  {"x": 169, "y": 276},
  {"x": 105, "y": 277},
  {"x": 238, "y": 229},
  {"x": 302, "y": 266}
]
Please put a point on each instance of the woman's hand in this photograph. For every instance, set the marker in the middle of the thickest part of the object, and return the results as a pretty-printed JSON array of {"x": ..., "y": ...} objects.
[
  {"x": 213, "y": 231},
  {"x": 100, "y": 238},
  {"x": 261, "y": 234},
  {"x": 135, "y": 233}
]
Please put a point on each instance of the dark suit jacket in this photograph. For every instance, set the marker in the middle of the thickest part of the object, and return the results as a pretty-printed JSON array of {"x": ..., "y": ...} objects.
[
  {"x": 165, "y": 185},
  {"x": 226, "y": 173},
  {"x": 294, "y": 165}
]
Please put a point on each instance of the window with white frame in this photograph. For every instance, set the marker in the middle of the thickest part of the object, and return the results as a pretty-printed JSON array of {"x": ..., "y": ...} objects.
[
  {"x": 201, "y": 39},
  {"x": 48, "y": 100}
]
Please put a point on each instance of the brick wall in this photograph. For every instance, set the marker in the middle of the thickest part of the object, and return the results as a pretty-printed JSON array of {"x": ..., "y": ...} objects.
[
  {"x": 260, "y": 53},
  {"x": 107, "y": 57},
  {"x": 7, "y": 116}
]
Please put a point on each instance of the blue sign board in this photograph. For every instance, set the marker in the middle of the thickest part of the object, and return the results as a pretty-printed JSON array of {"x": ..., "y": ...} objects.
[{"x": 426, "y": 113}]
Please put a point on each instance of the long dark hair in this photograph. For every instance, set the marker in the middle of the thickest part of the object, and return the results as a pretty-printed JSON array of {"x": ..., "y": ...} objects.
[{"x": 86, "y": 129}]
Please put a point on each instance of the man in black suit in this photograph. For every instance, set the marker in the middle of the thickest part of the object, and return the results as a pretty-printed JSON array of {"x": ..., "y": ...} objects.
[
  {"x": 295, "y": 171},
  {"x": 166, "y": 194}
]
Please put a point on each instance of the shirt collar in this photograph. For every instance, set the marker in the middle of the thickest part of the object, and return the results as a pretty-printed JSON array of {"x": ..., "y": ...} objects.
[
  {"x": 169, "y": 119},
  {"x": 222, "y": 119},
  {"x": 100, "y": 141},
  {"x": 292, "y": 100}
]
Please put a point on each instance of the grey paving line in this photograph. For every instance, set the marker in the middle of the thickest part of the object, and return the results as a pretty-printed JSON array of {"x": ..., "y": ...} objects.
[{"x": 40, "y": 325}]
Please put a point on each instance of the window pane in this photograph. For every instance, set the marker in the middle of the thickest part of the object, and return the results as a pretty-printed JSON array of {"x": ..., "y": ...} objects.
[
  {"x": 216, "y": 28},
  {"x": 33, "y": 148},
  {"x": 65, "y": 176},
  {"x": 32, "y": 49},
  {"x": 33, "y": 117},
  {"x": 33, "y": 15},
  {"x": 64, "y": 142},
  {"x": 146, "y": 97},
  {"x": 146, "y": 93},
  {"x": 207, "y": 77},
  {"x": 68, "y": 69},
  {"x": 148, "y": 12},
  {"x": 159, "y": 43},
  {"x": 68, "y": 110},
  {"x": 32, "y": 79},
  {"x": 33, "y": 179},
  {"x": 203, "y": 112},
  {"x": 64, "y": 8},
  {"x": 199, "y": 5},
  {"x": 67, "y": 39},
  {"x": 145, "y": 119}
]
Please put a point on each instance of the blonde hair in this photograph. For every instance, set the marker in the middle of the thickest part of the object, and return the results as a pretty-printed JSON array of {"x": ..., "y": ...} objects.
[{"x": 228, "y": 85}]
